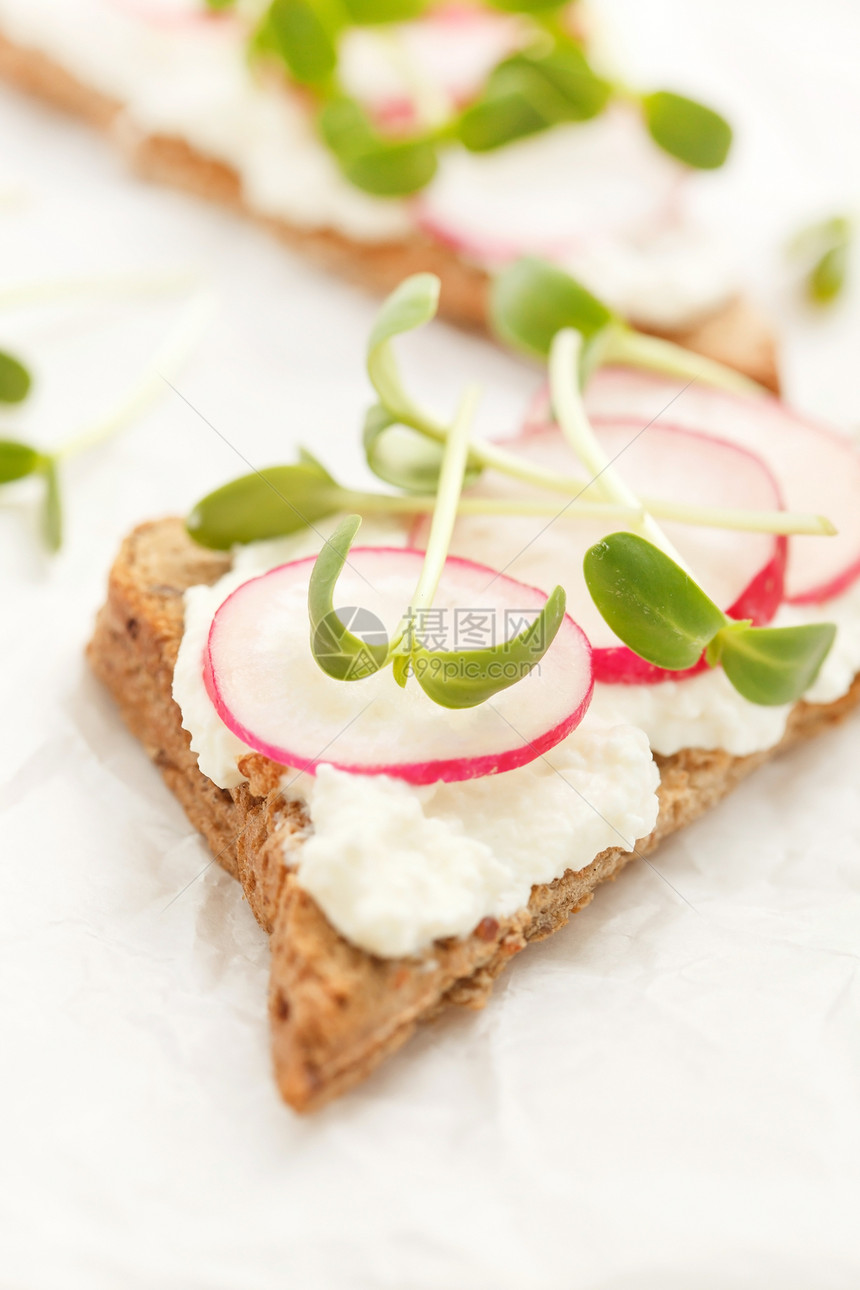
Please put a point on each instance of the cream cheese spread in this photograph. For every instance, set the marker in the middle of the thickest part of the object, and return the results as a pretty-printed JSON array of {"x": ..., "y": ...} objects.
[
  {"x": 395, "y": 866},
  {"x": 597, "y": 197}
]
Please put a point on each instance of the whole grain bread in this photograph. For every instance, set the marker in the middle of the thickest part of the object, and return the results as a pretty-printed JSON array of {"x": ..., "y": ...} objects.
[
  {"x": 335, "y": 1010},
  {"x": 735, "y": 334}
]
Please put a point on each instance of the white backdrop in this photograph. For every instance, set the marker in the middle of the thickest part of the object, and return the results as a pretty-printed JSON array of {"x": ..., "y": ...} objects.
[{"x": 664, "y": 1095}]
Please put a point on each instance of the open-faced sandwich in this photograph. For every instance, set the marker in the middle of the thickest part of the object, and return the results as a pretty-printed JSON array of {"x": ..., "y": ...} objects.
[
  {"x": 387, "y": 137},
  {"x": 421, "y": 725}
]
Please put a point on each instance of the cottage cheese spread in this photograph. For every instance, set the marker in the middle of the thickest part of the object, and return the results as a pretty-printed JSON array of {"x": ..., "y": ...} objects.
[
  {"x": 394, "y": 866},
  {"x": 190, "y": 78}
]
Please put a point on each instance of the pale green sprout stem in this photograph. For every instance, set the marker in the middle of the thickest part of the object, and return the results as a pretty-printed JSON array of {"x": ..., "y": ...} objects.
[
  {"x": 776, "y": 522},
  {"x": 113, "y": 284},
  {"x": 445, "y": 514},
  {"x": 507, "y": 463},
  {"x": 573, "y": 421},
  {"x": 166, "y": 361},
  {"x": 622, "y": 345},
  {"x": 423, "y": 504}
]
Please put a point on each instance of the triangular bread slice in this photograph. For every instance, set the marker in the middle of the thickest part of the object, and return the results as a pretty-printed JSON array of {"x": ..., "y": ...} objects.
[
  {"x": 335, "y": 1010},
  {"x": 736, "y": 333}
]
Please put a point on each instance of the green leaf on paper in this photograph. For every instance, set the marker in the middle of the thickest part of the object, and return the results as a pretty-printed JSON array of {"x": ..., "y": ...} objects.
[
  {"x": 52, "y": 510},
  {"x": 15, "y": 380},
  {"x": 17, "y": 460}
]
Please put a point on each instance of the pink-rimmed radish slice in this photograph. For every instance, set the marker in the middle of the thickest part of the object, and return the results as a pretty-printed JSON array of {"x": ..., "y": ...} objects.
[
  {"x": 266, "y": 687},
  {"x": 596, "y": 184},
  {"x": 742, "y": 572},
  {"x": 817, "y": 469},
  {"x": 441, "y": 60}
]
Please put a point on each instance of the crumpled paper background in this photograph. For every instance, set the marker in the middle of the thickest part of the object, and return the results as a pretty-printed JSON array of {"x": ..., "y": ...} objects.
[{"x": 666, "y": 1094}]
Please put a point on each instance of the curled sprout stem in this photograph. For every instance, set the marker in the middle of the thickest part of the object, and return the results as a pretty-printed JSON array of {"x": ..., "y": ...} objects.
[
  {"x": 493, "y": 457},
  {"x": 624, "y": 345},
  {"x": 447, "y": 498},
  {"x": 575, "y": 426}
]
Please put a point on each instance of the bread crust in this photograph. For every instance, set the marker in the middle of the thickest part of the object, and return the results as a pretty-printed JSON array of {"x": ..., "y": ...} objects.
[
  {"x": 336, "y": 1011},
  {"x": 735, "y": 334}
]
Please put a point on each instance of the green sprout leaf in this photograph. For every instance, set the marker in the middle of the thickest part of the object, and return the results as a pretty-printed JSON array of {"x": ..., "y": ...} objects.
[
  {"x": 403, "y": 458},
  {"x": 17, "y": 460},
  {"x": 15, "y": 380},
  {"x": 650, "y": 602},
  {"x": 379, "y": 166},
  {"x": 266, "y": 504},
  {"x": 826, "y": 247},
  {"x": 393, "y": 169},
  {"x": 338, "y": 652},
  {"x": 511, "y": 107},
  {"x": 531, "y": 300},
  {"x": 774, "y": 665},
  {"x": 304, "y": 34},
  {"x": 530, "y": 92},
  {"x": 829, "y": 274},
  {"x": 367, "y": 13},
  {"x": 409, "y": 306},
  {"x": 566, "y": 70},
  {"x": 660, "y": 613},
  {"x": 465, "y": 678},
  {"x": 52, "y": 513},
  {"x": 688, "y": 130},
  {"x": 524, "y": 6}
]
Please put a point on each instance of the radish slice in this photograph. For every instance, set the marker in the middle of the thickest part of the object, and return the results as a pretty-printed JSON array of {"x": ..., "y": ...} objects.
[
  {"x": 267, "y": 688},
  {"x": 817, "y": 469},
  {"x": 586, "y": 185},
  {"x": 438, "y": 62},
  {"x": 742, "y": 572}
]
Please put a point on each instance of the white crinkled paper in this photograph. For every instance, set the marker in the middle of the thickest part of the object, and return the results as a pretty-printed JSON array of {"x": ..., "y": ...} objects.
[{"x": 664, "y": 1095}]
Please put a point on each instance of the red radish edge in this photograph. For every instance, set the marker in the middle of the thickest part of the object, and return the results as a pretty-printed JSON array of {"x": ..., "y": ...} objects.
[
  {"x": 759, "y": 601},
  {"x": 815, "y": 596},
  {"x": 448, "y": 770}
]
